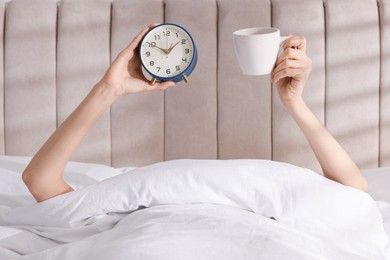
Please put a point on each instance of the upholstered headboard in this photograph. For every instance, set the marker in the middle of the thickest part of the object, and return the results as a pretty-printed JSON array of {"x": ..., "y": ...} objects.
[{"x": 55, "y": 51}]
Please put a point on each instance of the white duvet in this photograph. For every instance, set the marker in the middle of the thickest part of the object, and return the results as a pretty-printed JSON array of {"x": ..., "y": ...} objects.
[{"x": 200, "y": 209}]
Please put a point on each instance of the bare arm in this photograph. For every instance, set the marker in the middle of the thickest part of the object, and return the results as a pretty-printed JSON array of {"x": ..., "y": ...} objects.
[
  {"x": 44, "y": 175},
  {"x": 290, "y": 75}
]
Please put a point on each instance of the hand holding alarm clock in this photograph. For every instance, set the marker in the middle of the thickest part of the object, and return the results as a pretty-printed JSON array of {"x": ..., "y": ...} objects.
[{"x": 168, "y": 53}]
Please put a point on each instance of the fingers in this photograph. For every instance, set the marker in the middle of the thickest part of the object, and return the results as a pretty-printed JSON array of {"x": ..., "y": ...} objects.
[
  {"x": 290, "y": 54},
  {"x": 287, "y": 72},
  {"x": 296, "y": 42},
  {"x": 297, "y": 64},
  {"x": 159, "y": 85},
  {"x": 165, "y": 85},
  {"x": 293, "y": 61},
  {"x": 292, "y": 68}
]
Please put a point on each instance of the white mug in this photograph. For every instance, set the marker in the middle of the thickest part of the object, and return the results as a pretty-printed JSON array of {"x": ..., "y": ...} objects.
[{"x": 257, "y": 49}]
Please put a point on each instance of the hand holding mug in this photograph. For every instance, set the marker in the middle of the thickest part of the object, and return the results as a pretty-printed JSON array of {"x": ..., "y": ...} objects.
[
  {"x": 257, "y": 54},
  {"x": 292, "y": 69}
]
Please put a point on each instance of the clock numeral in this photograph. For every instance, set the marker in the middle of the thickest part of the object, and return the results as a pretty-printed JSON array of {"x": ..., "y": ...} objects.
[
  {"x": 147, "y": 54},
  {"x": 184, "y": 59},
  {"x": 151, "y": 44},
  {"x": 158, "y": 69},
  {"x": 151, "y": 63},
  {"x": 167, "y": 33},
  {"x": 168, "y": 71},
  {"x": 177, "y": 35},
  {"x": 183, "y": 41},
  {"x": 177, "y": 68},
  {"x": 157, "y": 37},
  {"x": 186, "y": 51}
]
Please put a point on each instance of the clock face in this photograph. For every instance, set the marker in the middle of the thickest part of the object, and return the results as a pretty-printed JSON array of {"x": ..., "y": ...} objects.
[{"x": 167, "y": 51}]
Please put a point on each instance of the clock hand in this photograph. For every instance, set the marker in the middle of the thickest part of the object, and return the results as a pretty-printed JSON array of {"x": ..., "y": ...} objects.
[
  {"x": 166, "y": 51},
  {"x": 171, "y": 48}
]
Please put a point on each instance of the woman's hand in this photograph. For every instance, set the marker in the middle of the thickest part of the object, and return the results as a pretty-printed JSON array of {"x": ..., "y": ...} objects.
[
  {"x": 292, "y": 70},
  {"x": 125, "y": 75},
  {"x": 290, "y": 74}
]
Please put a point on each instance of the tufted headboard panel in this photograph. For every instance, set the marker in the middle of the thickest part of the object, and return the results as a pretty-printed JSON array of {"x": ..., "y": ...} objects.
[{"x": 53, "y": 52}]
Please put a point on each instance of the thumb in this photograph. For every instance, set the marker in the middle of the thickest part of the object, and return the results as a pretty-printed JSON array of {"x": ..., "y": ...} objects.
[{"x": 128, "y": 52}]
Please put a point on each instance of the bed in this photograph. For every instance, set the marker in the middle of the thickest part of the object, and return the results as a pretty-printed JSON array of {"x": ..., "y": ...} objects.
[
  {"x": 238, "y": 173},
  {"x": 194, "y": 209}
]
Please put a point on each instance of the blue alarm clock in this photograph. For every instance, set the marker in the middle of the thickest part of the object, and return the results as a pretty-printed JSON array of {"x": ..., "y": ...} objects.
[{"x": 168, "y": 52}]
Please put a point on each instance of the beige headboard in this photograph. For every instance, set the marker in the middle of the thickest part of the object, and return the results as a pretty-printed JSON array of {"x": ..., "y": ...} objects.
[{"x": 55, "y": 51}]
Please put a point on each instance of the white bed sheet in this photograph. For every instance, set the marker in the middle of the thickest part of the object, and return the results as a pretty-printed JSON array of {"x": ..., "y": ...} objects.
[{"x": 232, "y": 227}]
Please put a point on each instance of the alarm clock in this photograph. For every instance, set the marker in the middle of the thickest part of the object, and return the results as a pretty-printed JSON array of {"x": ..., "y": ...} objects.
[{"x": 168, "y": 53}]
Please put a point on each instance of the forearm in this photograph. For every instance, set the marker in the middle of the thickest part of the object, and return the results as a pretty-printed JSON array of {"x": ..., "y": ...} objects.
[
  {"x": 334, "y": 161},
  {"x": 43, "y": 175}
]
